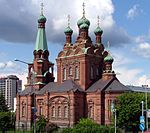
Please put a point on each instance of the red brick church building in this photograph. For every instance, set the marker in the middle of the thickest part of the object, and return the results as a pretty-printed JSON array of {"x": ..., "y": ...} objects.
[{"x": 86, "y": 84}]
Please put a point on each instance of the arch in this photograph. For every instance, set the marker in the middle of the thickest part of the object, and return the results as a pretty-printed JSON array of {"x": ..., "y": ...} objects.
[
  {"x": 89, "y": 50},
  {"x": 70, "y": 52},
  {"x": 78, "y": 51},
  {"x": 66, "y": 111},
  {"x": 64, "y": 74},
  {"x": 55, "y": 98},
  {"x": 61, "y": 54},
  {"x": 70, "y": 70},
  {"x": 59, "y": 111},
  {"x": 53, "y": 111},
  {"x": 97, "y": 52},
  {"x": 76, "y": 72}
]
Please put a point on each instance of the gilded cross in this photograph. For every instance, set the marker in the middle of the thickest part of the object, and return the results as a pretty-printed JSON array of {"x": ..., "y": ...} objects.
[
  {"x": 98, "y": 20},
  {"x": 83, "y": 9},
  {"x": 68, "y": 20},
  {"x": 42, "y": 6}
]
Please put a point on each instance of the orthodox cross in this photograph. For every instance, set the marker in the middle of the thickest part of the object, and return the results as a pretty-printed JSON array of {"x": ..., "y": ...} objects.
[
  {"x": 83, "y": 9},
  {"x": 42, "y": 6},
  {"x": 68, "y": 20}
]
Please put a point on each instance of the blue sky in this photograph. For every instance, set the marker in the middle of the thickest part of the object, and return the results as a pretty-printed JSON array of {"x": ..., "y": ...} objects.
[{"x": 125, "y": 24}]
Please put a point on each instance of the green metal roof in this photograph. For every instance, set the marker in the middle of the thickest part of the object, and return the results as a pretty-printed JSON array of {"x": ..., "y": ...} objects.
[
  {"x": 108, "y": 58},
  {"x": 68, "y": 30},
  {"x": 98, "y": 30},
  {"x": 84, "y": 26},
  {"x": 41, "y": 19},
  {"x": 83, "y": 20},
  {"x": 41, "y": 42}
]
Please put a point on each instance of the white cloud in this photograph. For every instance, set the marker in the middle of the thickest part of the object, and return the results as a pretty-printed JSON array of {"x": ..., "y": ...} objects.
[
  {"x": 134, "y": 12},
  {"x": 128, "y": 76},
  {"x": 2, "y": 65},
  {"x": 143, "y": 49},
  {"x": 6, "y": 65}
]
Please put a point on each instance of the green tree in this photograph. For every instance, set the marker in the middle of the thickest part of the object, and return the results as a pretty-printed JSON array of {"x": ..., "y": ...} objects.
[
  {"x": 3, "y": 105},
  {"x": 5, "y": 121},
  {"x": 7, "y": 118},
  {"x": 129, "y": 110},
  {"x": 41, "y": 124},
  {"x": 88, "y": 126}
]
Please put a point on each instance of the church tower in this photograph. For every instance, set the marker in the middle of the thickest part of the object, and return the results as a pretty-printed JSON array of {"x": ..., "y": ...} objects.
[
  {"x": 41, "y": 71},
  {"x": 83, "y": 60}
]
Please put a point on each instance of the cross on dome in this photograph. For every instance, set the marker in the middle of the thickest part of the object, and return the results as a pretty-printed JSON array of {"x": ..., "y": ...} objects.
[
  {"x": 83, "y": 9},
  {"x": 98, "y": 20},
  {"x": 68, "y": 20},
  {"x": 42, "y": 7}
]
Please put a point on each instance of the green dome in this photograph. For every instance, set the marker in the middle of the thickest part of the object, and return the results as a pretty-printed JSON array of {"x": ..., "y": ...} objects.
[
  {"x": 108, "y": 58},
  {"x": 42, "y": 19},
  {"x": 68, "y": 30},
  {"x": 83, "y": 20},
  {"x": 84, "y": 26},
  {"x": 98, "y": 30}
]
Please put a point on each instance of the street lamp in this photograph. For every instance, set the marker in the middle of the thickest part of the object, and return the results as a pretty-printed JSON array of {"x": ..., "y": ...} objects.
[
  {"x": 113, "y": 110},
  {"x": 33, "y": 108}
]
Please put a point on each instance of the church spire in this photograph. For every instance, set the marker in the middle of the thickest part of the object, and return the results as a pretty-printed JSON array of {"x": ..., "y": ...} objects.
[{"x": 41, "y": 41}]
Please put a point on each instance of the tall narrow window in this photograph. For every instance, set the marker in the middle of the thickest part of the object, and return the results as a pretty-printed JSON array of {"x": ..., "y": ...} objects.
[
  {"x": 97, "y": 72},
  {"x": 64, "y": 74},
  {"x": 53, "y": 111},
  {"x": 90, "y": 112},
  {"x": 70, "y": 71},
  {"x": 41, "y": 110},
  {"x": 66, "y": 112},
  {"x": 23, "y": 111},
  {"x": 76, "y": 72},
  {"x": 59, "y": 111},
  {"x": 92, "y": 73}
]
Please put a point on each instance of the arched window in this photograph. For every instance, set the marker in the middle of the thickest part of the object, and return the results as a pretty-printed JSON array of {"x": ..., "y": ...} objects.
[
  {"x": 59, "y": 111},
  {"x": 92, "y": 73},
  {"x": 64, "y": 74},
  {"x": 53, "y": 111},
  {"x": 76, "y": 72},
  {"x": 97, "y": 72},
  {"x": 90, "y": 112},
  {"x": 70, "y": 71},
  {"x": 23, "y": 111},
  {"x": 66, "y": 112},
  {"x": 41, "y": 111}
]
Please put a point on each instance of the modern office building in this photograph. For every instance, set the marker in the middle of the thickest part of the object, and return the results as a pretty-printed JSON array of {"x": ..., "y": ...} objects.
[{"x": 9, "y": 86}]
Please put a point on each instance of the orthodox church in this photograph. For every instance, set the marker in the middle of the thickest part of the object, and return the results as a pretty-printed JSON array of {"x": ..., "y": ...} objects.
[{"x": 86, "y": 84}]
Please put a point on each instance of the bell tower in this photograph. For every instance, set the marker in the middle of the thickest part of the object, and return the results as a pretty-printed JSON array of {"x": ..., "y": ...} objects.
[{"x": 40, "y": 72}]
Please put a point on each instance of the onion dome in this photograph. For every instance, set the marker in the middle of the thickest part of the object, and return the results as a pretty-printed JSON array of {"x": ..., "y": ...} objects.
[
  {"x": 82, "y": 21},
  {"x": 84, "y": 26},
  {"x": 108, "y": 58},
  {"x": 68, "y": 30},
  {"x": 98, "y": 30},
  {"x": 42, "y": 19}
]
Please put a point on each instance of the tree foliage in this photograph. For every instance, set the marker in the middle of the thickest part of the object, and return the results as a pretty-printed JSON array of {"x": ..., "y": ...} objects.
[
  {"x": 129, "y": 110},
  {"x": 7, "y": 118},
  {"x": 42, "y": 125},
  {"x": 88, "y": 126},
  {"x": 3, "y": 105}
]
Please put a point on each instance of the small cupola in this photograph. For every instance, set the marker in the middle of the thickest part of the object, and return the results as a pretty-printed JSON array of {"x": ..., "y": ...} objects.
[
  {"x": 68, "y": 32},
  {"x": 98, "y": 32}
]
